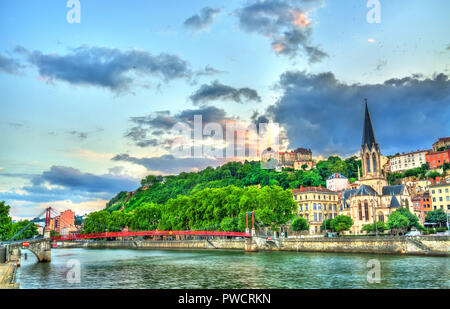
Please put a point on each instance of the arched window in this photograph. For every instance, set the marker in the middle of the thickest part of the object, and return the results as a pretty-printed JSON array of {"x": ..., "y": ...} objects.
[
  {"x": 368, "y": 163},
  {"x": 374, "y": 166},
  {"x": 360, "y": 210},
  {"x": 380, "y": 217},
  {"x": 366, "y": 210}
]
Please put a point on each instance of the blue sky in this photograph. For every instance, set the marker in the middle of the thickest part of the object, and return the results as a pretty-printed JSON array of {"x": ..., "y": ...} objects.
[{"x": 69, "y": 91}]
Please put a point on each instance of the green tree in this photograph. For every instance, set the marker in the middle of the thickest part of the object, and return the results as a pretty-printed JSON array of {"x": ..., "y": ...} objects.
[
  {"x": 326, "y": 225},
  {"x": 29, "y": 232},
  {"x": 5, "y": 221},
  {"x": 434, "y": 174},
  {"x": 299, "y": 224},
  {"x": 146, "y": 217},
  {"x": 413, "y": 220},
  {"x": 118, "y": 220},
  {"x": 372, "y": 227},
  {"x": 229, "y": 224},
  {"x": 397, "y": 223},
  {"x": 437, "y": 216},
  {"x": 341, "y": 223},
  {"x": 96, "y": 222},
  {"x": 446, "y": 166}
]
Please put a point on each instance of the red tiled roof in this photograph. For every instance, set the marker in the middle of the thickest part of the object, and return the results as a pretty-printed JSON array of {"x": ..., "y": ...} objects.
[
  {"x": 444, "y": 139},
  {"x": 312, "y": 189}
]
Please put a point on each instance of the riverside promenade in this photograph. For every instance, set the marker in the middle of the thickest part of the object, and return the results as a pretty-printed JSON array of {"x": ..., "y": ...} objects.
[
  {"x": 426, "y": 245},
  {"x": 7, "y": 275}
]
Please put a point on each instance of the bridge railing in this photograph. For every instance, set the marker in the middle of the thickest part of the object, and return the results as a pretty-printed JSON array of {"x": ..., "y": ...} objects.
[{"x": 149, "y": 233}]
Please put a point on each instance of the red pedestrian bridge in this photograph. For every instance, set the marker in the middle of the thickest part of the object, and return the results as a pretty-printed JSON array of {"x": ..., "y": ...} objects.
[{"x": 148, "y": 233}]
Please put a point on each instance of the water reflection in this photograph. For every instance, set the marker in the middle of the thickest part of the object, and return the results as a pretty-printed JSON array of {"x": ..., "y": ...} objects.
[{"x": 131, "y": 269}]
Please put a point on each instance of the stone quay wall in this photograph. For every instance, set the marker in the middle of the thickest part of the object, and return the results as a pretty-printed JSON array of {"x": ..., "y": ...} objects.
[{"x": 427, "y": 245}]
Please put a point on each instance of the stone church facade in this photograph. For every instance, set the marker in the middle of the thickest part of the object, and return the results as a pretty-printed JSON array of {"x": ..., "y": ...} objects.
[{"x": 374, "y": 199}]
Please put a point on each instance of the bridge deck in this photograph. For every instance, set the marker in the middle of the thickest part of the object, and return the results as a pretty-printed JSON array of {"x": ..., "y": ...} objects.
[{"x": 149, "y": 233}]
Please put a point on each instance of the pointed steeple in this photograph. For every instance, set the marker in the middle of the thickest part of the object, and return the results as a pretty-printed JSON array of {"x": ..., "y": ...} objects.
[{"x": 368, "y": 138}]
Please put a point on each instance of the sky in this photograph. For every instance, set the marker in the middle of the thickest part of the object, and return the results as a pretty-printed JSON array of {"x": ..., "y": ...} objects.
[{"x": 87, "y": 108}]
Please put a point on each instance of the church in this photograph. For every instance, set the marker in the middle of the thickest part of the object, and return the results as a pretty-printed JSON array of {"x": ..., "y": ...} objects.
[{"x": 374, "y": 199}]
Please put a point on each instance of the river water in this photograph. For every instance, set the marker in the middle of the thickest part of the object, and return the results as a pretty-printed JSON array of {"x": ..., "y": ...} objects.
[{"x": 123, "y": 268}]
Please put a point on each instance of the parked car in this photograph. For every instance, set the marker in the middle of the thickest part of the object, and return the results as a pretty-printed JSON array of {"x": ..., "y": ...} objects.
[{"x": 413, "y": 233}]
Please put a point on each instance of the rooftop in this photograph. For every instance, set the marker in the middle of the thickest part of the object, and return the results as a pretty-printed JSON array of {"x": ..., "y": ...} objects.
[
  {"x": 440, "y": 185},
  {"x": 312, "y": 189},
  {"x": 443, "y": 139},
  {"x": 337, "y": 175}
]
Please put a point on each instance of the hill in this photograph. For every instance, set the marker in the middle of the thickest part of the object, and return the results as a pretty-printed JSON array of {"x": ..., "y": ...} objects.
[{"x": 159, "y": 190}]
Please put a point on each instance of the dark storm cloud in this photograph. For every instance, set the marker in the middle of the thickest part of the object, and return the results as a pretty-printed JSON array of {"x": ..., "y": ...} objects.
[
  {"x": 69, "y": 183},
  {"x": 9, "y": 65},
  {"x": 169, "y": 164},
  {"x": 285, "y": 23},
  {"x": 325, "y": 114},
  {"x": 217, "y": 91},
  {"x": 107, "y": 67},
  {"x": 203, "y": 20},
  {"x": 73, "y": 179}
]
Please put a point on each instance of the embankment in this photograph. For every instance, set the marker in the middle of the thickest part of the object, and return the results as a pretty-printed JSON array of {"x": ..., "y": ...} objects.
[{"x": 427, "y": 245}]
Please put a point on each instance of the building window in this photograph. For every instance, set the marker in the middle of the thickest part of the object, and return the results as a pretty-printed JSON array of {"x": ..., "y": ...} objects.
[
  {"x": 368, "y": 163},
  {"x": 366, "y": 210},
  {"x": 381, "y": 218},
  {"x": 374, "y": 166},
  {"x": 360, "y": 211}
]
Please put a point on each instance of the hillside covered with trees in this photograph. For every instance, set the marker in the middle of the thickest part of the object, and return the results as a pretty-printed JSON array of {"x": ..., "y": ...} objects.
[
  {"x": 214, "y": 199},
  {"x": 159, "y": 190}
]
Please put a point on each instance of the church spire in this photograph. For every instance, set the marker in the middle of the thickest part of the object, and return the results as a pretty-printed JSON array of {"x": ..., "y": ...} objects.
[{"x": 369, "y": 138}]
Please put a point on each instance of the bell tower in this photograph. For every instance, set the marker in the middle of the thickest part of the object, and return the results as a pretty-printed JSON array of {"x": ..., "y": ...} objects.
[{"x": 371, "y": 156}]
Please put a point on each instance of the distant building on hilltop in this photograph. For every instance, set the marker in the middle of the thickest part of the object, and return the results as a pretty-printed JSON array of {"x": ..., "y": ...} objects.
[
  {"x": 406, "y": 161},
  {"x": 287, "y": 159},
  {"x": 337, "y": 182},
  {"x": 441, "y": 143},
  {"x": 437, "y": 158}
]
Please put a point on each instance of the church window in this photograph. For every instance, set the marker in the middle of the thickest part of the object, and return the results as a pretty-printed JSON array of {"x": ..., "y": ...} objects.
[
  {"x": 360, "y": 211},
  {"x": 366, "y": 210},
  {"x": 368, "y": 163},
  {"x": 374, "y": 166}
]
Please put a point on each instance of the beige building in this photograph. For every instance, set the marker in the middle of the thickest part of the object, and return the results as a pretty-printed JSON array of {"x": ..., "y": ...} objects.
[
  {"x": 298, "y": 165},
  {"x": 316, "y": 204},
  {"x": 374, "y": 200},
  {"x": 407, "y": 161},
  {"x": 440, "y": 196},
  {"x": 287, "y": 159}
]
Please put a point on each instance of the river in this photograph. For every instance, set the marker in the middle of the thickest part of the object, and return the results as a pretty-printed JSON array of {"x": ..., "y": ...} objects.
[{"x": 123, "y": 268}]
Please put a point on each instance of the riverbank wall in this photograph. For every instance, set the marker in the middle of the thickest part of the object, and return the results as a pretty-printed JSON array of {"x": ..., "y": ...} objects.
[
  {"x": 7, "y": 275},
  {"x": 426, "y": 245}
]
